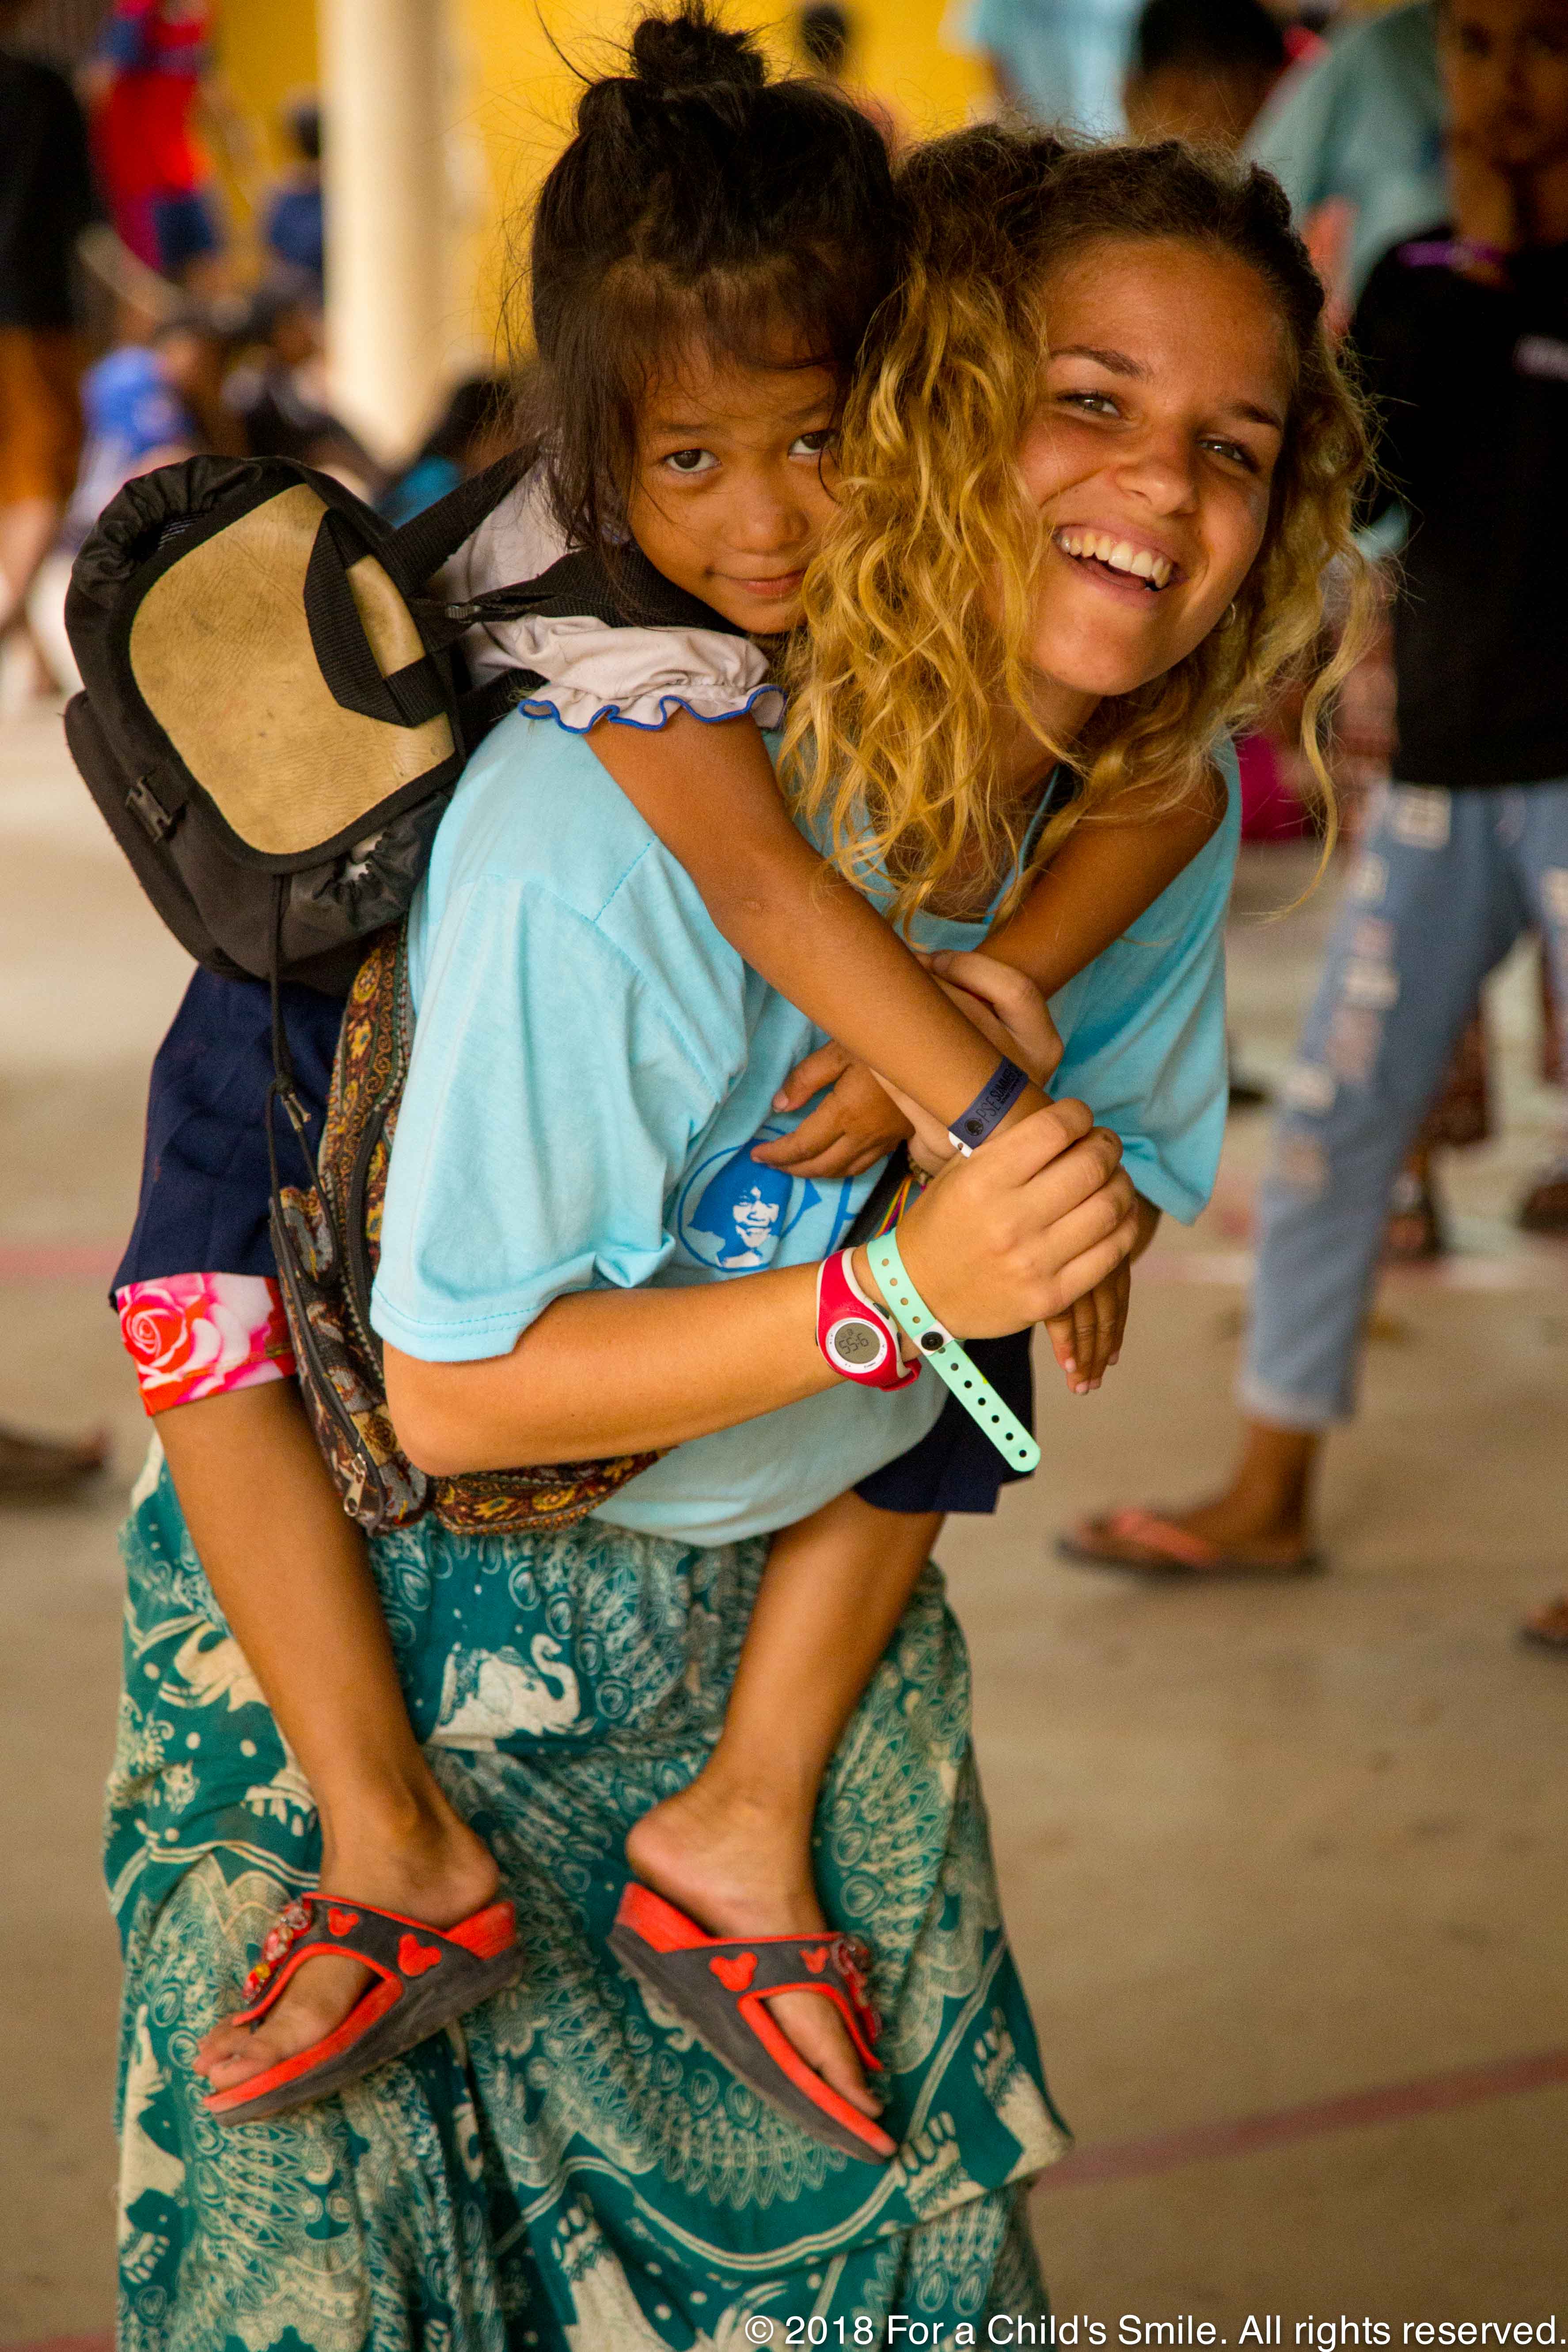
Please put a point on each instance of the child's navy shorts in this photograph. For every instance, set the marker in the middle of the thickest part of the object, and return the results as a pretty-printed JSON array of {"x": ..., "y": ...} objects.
[
  {"x": 205, "y": 1189},
  {"x": 955, "y": 1467}
]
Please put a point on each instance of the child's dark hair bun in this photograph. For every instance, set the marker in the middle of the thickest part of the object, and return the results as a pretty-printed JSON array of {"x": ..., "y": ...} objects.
[{"x": 674, "y": 55}]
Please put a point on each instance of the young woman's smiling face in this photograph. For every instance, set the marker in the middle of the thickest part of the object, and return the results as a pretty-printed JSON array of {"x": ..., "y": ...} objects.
[{"x": 1150, "y": 459}]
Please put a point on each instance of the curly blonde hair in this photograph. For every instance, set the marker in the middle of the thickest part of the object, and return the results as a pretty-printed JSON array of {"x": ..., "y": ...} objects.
[{"x": 920, "y": 602}]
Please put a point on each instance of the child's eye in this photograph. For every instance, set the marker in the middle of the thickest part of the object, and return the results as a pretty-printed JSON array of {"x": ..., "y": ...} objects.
[
  {"x": 690, "y": 461},
  {"x": 811, "y": 445}
]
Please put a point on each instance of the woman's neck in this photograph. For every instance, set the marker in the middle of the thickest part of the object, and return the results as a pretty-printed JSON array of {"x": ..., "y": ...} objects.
[{"x": 1023, "y": 762}]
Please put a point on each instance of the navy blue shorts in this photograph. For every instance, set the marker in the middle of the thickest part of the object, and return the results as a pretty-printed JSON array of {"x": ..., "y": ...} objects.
[
  {"x": 206, "y": 1190},
  {"x": 955, "y": 1467}
]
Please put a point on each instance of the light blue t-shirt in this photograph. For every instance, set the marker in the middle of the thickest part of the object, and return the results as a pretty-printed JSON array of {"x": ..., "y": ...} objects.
[
  {"x": 1365, "y": 122},
  {"x": 593, "y": 1065},
  {"x": 1066, "y": 59}
]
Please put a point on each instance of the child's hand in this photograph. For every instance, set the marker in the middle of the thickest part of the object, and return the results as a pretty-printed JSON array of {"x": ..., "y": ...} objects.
[
  {"x": 1005, "y": 1006},
  {"x": 856, "y": 1127},
  {"x": 1087, "y": 1339}
]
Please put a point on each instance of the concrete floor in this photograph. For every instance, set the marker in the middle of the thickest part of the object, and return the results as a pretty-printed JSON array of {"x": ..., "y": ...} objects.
[{"x": 1283, "y": 1866}]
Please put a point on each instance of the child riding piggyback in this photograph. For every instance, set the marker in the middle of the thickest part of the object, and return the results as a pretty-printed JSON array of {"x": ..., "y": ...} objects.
[{"x": 706, "y": 257}]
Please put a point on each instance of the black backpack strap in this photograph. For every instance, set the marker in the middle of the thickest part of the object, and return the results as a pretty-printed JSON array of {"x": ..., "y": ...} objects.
[
  {"x": 620, "y": 588},
  {"x": 403, "y": 697},
  {"x": 416, "y": 553},
  {"x": 485, "y": 706}
]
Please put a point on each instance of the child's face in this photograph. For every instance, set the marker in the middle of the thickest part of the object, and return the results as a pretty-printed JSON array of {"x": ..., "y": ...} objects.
[
  {"x": 732, "y": 486},
  {"x": 1505, "y": 67},
  {"x": 1150, "y": 458}
]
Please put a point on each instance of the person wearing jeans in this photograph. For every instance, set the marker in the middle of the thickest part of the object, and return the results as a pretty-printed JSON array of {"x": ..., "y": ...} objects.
[{"x": 1463, "y": 337}]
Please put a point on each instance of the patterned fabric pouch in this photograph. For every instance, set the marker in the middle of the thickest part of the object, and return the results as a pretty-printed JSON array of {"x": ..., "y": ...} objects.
[{"x": 327, "y": 1237}]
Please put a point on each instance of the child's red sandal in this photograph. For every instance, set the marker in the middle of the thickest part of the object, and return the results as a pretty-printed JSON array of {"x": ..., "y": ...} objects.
[
  {"x": 426, "y": 1976},
  {"x": 721, "y": 1987}
]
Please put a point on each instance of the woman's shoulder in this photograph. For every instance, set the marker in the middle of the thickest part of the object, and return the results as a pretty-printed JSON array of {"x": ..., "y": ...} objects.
[
  {"x": 535, "y": 808},
  {"x": 541, "y": 857}
]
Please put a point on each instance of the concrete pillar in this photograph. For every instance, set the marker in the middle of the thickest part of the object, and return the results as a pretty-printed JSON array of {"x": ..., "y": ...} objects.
[{"x": 385, "y": 206}]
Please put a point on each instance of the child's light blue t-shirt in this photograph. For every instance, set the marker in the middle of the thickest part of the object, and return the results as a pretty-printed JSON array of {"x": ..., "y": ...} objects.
[{"x": 593, "y": 1065}]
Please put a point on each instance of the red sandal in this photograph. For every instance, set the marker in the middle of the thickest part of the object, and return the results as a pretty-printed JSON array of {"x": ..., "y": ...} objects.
[
  {"x": 721, "y": 1989},
  {"x": 427, "y": 1977}
]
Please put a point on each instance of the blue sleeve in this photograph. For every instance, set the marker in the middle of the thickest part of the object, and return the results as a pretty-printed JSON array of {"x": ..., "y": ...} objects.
[
  {"x": 125, "y": 43},
  {"x": 551, "y": 1105},
  {"x": 1144, "y": 1026},
  {"x": 1296, "y": 136}
]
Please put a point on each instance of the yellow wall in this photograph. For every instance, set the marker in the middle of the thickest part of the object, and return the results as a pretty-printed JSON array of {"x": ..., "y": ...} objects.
[
  {"x": 266, "y": 53},
  {"x": 509, "y": 98}
]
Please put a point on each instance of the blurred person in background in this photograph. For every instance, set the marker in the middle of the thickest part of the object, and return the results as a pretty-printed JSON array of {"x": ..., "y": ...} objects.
[
  {"x": 826, "y": 37},
  {"x": 1354, "y": 136},
  {"x": 46, "y": 201},
  {"x": 276, "y": 394},
  {"x": 1463, "y": 336},
  {"x": 293, "y": 228},
  {"x": 143, "y": 404},
  {"x": 477, "y": 426},
  {"x": 1061, "y": 61},
  {"x": 1202, "y": 70},
  {"x": 144, "y": 84}
]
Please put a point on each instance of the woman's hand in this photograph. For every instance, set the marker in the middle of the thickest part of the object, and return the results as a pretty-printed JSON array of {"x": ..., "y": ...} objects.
[{"x": 1018, "y": 1233}]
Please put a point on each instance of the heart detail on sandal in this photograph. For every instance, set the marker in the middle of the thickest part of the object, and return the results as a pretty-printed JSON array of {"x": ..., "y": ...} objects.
[
  {"x": 735, "y": 1974},
  {"x": 414, "y": 1957},
  {"x": 815, "y": 1962},
  {"x": 340, "y": 1922}
]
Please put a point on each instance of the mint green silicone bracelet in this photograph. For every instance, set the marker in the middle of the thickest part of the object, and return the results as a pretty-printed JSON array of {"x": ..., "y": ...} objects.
[{"x": 941, "y": 1351}]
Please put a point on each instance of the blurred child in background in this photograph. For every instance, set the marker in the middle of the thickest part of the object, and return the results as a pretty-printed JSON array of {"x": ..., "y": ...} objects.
[{"x": 1202, "y": 70}]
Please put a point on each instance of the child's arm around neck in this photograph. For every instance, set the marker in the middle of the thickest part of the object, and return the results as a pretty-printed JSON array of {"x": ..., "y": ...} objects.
[
  {"x": 709, "y": 792},
  {"x": 1105, "y": 876}
]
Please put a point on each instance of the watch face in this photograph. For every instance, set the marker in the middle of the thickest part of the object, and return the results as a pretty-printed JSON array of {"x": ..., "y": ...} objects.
[{"x": 857, "y": 1343}]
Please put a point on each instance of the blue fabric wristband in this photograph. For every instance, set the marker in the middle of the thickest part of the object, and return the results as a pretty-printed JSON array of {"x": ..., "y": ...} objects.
[{"x": 990, "y": 1106}]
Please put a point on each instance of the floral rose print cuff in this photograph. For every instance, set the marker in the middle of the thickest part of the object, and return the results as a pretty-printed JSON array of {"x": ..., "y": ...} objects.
[{"x": 198, "y": 1335}]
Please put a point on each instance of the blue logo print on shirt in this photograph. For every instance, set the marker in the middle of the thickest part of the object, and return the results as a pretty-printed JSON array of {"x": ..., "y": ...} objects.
[{"x": 732, "y": 1213}]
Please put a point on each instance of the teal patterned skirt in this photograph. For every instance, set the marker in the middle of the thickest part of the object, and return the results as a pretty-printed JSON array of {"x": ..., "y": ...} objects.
[{"x": 567, "y": 2168}]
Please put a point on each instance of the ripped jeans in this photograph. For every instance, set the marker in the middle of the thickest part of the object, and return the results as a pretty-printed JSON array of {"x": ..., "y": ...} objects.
[{"x": 1445, "y": 883}]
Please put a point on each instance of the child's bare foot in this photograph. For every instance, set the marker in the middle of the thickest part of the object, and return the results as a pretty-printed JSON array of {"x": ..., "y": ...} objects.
[
  {"x": 438, "y": 1873},
  {"x": 739, "y": 1867}
]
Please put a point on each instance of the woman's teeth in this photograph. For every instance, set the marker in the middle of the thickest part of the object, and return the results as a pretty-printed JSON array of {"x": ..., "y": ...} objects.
[{"x": 1116, "y": 555}]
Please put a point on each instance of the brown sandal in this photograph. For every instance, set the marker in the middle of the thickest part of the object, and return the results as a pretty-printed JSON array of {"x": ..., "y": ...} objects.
[
  {"x": 1169, "y": 1550},
  {"x": 1547, "y": 1626}
]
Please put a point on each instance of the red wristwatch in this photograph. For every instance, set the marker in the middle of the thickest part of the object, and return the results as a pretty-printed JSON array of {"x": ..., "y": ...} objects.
[{"x": 860, "y": 1340}]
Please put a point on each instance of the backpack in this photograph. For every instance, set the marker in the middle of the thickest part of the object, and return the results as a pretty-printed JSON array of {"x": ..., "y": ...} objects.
[
  {"x": 274, "y": 716},
  {"x": 275, "y": 711}
]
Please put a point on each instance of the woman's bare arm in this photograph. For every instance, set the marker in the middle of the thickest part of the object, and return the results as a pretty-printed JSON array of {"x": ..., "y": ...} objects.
[{"x": 998, "y": 1241}]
